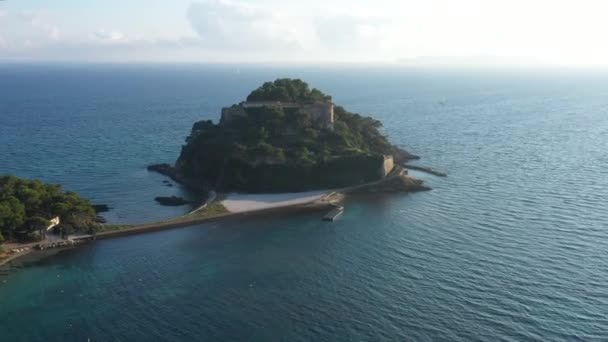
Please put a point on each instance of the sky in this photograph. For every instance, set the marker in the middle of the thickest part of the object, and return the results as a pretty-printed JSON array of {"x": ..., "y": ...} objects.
[{"x": 415, "y": 32}]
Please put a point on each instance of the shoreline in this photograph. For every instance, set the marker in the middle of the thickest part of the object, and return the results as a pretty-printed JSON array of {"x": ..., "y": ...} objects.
[
  {"x": 320, "y": 200},
  {"x": 183, "y": 221},
  {"x": 25, "y": 249},
  {"x": 6, "y": 261}
]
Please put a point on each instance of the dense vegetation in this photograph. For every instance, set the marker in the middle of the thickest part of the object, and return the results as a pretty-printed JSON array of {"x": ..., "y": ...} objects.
[
  {"x": 287, "y": 90},
  {"x": 274, "y": 149},
  {"x": 27, "y": 206}
]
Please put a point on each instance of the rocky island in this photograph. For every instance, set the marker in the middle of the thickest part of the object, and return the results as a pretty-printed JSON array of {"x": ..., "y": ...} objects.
[
  {"x": 286, "y": 148},
  {"x": 287, "y": 137}
]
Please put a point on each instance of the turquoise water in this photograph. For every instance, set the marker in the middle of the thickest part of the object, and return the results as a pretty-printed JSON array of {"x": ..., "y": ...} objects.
[{"x": 511, "y": 246}]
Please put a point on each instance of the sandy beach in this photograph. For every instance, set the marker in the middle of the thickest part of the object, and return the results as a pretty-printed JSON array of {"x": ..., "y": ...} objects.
[{"x": 239, "y": 203}]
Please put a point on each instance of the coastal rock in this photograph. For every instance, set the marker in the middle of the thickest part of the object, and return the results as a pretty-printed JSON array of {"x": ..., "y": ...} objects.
[
  {"x": 163, "y": 169},
  {"x": 407, "y": 184},
  {"x": 426, "y": 169},
  {"x": 399, "y": 183},
  {"x": 173, "y": 173},
  {"x": 401, "y": 156},
  {"x": 171, "y": 201},
  {"x": 101, "y": 208}
]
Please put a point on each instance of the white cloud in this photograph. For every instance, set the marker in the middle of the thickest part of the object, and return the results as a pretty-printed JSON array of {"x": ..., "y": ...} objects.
[
  {"x": 222, "y": 24},
  {"x": 352, "y": 32},
  {"x": 40, "y": 25},
  {"x": 286, "y": 33},
  {"x": 558, "y": 31},
  {"x": 3, "y": 43},
  {"x": 27, "y": 29},
  {"x": 112, "y": 36}
]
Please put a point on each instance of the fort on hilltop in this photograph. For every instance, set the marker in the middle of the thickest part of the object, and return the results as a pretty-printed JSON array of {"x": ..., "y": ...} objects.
[{"x": 285, "y": 137}]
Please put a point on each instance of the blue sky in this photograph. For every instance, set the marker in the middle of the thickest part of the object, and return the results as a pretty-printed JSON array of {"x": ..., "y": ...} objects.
[{"x": 312, "y": 31}]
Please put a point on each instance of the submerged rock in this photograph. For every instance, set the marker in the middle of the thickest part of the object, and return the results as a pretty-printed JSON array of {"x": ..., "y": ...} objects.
[
  {"x": 171, "y": 201},
  {"x": 163, "y": 169},
  {"x": 101, "y": 208},
  {"x": 171, "y": 172}
]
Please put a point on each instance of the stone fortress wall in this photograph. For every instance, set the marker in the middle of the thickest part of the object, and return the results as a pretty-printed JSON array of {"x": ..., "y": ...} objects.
[
  {"x": 387, "y": 166},
  {"x": 229, "y": 113}
]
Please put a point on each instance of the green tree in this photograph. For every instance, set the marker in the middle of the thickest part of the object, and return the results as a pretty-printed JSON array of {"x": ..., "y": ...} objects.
[
  {"x": 287, "y": 90},
  {"x": 28, "y": 205},
  {"x": 303, "y": 155},
  {"x": 38, "y": 225},
  {"x": 12, "y": 215}
]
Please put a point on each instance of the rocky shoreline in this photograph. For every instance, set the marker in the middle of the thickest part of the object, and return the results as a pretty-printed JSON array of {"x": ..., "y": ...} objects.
[
  {"x": 400, "y": 157},
  {"x": 167, "y": 170},
  {"x": 398, "y": 181},
  {"x": 15, "y": 255},
  {"x": 425, "y": 169}
]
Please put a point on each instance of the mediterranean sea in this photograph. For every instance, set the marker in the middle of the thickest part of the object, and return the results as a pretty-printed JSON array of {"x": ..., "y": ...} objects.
[{"x": 511, "y": 246}]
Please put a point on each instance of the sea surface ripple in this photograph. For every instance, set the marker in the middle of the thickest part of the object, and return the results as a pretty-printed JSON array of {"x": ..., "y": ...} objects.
[{"x": 511, "y": 246}]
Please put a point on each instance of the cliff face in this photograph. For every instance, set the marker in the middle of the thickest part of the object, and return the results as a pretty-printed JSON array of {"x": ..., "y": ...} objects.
[
  {"x": 285, "y": 138},
  {"x": 265, "y": 176}
]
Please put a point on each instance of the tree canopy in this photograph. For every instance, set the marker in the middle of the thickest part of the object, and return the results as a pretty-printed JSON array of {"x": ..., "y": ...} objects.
[
  {"x": 27, "y": 206},
  {"x": 287, "y": 90},
  {"x": 224, "y": 155}
]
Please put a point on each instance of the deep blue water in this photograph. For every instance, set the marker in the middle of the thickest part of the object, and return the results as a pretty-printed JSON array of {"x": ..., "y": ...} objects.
[{"x": 512, "y": 246}]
